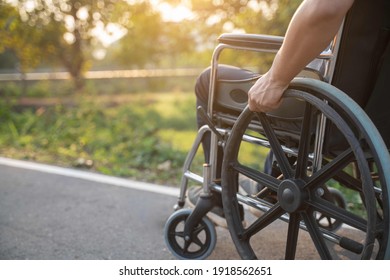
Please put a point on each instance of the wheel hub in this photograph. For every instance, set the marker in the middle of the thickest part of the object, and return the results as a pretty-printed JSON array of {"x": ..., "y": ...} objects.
[{"x": 291, "y": 195}]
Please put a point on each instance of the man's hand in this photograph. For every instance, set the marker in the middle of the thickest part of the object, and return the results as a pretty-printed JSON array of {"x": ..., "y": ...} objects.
[
  {"x": 266, "y": 94},
  {"x": 310, "y": 31}
]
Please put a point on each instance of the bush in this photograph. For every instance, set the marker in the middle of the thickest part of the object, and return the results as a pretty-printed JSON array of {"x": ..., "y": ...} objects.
[{"x": 122, "y": 139}]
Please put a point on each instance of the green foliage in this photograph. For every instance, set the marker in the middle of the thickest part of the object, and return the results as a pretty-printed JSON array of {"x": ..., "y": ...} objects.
[
  {"x": 21, "y": 38},
  {"x": 67, "y": 32},
  {"x": 121, "y": 139},
  {"x": 142, "y": 43},
  {"x": 143, "y": 138},
  {"x": 61, "y": 32},
  {"x": 250, "y": 16}
]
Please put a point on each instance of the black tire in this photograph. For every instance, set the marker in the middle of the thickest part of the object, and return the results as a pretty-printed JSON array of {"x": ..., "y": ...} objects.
[{"x": 202, "y": 241}]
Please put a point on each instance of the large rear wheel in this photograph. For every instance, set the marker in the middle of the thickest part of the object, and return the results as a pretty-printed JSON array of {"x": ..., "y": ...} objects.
[{"x": 352, "y": 159}]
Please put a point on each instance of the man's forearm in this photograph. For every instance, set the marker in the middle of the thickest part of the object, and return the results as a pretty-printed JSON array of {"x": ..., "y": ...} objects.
[{"x": 310, "y": 31}]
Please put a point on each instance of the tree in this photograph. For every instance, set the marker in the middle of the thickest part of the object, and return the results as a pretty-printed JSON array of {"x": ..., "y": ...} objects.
[
  {"x": 68, "y": 29},
  {"x": 141, "y": 44},
  {"x": 250, "y": 16},
  {"x": 153, "y": 41},
  {"x": 19, "y": 38}
]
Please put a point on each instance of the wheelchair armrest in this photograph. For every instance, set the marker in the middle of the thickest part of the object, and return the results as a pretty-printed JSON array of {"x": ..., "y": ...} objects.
[{"x": 256, "y": 41}]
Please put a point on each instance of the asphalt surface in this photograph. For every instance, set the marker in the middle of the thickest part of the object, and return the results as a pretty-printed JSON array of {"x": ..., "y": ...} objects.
[
  {"x": 51, "y": 213},
  {"x": 57, "y": 215}
]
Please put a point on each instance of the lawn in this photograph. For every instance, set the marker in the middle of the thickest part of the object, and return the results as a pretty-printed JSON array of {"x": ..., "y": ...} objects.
[
  {"x": 115, "y": 129},
  {"x": 143, "y": 136}
]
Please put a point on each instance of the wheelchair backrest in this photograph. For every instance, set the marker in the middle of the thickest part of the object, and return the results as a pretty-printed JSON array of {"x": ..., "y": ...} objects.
[{"x": 363, "y": 62}]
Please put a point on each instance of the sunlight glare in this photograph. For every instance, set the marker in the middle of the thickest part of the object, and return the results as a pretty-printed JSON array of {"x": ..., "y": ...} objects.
[
  {"x": 174, "y": 13},
  {"x": 29, "y": 6},
  {"x": 82, "y": 13},
  {"x": 108, "y": 34},
  {"x": 69, "y": 38}
]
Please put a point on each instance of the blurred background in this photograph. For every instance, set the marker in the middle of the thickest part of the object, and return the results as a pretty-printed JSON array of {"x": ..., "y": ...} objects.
[{"x": 107, "y": 85}]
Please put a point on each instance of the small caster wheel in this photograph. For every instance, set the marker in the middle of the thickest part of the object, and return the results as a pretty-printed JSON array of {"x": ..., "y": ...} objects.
[
  {"x": 198, "y": 245},
  {"x": 325, "y": 222}
]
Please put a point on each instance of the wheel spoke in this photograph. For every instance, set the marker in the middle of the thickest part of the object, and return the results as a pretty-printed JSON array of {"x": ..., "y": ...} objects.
[
  {"x": 186, "y": 246},
  {"x": 333, "y": 211},
  {"x": 292, "y": 236},
  {"x": 270, "y": 216},
  {"x": 195, "y": 238},
  {"x": 197, "y": 241},
  {"x": 280, "y": 156},
  {"x": 316, "y": 236},
  {"x": 349, "y": 181},
  {"x": 177, "y": 233},
  {"x": 198, "y": 229},
  {"x": 325, "y": 218},
  {"x": 262, "y": 178},
  {"x": 329, "y": 170},
  {"x": 304, "y": 143}
]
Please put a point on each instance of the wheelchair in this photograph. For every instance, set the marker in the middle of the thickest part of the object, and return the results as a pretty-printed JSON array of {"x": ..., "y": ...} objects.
[{"x": 317, "y": 166}]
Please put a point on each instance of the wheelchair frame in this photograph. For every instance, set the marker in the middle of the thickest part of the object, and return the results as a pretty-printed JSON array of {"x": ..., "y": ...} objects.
[{"x": 219, "y": 137}]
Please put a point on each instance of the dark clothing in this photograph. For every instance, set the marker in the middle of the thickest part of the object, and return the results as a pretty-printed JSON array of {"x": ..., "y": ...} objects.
[{"x": 363, "y": 63}]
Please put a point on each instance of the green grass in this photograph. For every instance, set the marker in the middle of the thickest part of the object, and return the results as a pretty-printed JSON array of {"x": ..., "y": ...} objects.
[
  {"x": 144, "y": 136},
  {"x": 138, "y": 135}
]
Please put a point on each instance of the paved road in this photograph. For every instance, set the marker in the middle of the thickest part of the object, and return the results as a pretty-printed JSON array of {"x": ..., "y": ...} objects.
[{"x": 54, "y": 213}]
